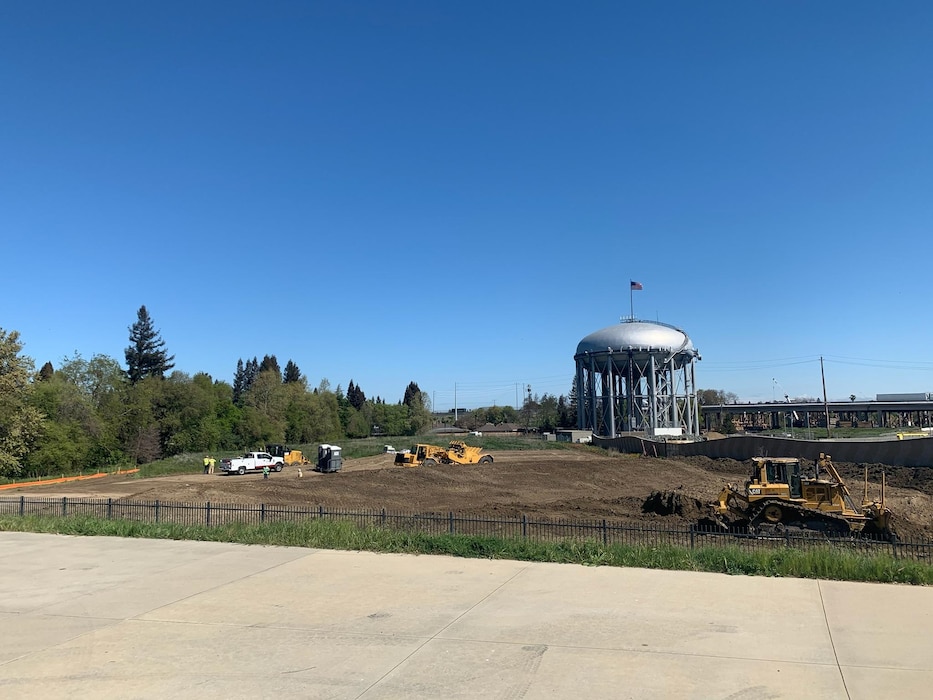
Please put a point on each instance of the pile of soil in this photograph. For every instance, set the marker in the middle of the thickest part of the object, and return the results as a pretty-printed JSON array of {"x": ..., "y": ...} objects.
[
  {"x": 674, "y": 503},
  {"x": 581, "y": 483}
]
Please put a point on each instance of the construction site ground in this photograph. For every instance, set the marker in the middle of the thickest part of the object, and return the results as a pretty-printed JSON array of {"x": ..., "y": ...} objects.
[{"x": 575, "y": 483}]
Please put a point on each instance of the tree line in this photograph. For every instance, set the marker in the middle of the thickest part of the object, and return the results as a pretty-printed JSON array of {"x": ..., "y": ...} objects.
[{"x": 94, "y": 412}]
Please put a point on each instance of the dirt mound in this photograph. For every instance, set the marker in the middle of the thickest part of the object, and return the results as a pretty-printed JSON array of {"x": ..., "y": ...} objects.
[
  {"x": 718, "y": 466},
  {"x": 916, "y": 478},
  {"x": 674, "y": 503}
]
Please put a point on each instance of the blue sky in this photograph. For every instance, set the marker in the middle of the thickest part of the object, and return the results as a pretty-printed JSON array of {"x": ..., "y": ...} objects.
[{"x": 456, "y": 193}]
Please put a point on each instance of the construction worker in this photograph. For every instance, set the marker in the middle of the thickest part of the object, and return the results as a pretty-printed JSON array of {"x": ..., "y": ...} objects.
[
  {"x": 207, "y": 463},
  {"x": 211, "y": 463},
  {"x": 265, "y": 472}
]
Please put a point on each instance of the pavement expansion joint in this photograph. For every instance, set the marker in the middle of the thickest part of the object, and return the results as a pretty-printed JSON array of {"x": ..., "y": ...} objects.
[{"x": 832, "y": 642}]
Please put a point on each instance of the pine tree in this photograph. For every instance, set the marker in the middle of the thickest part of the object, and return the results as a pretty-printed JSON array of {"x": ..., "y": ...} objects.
[
  {"x": 355, "y": 396},
  {"x": 46, "y": 372},
  {"x": 270, "y": 364},
  {"x": 239, "y": 381},
  {"x": 292, "y": 373},
  {"x": 412, "y": 392},
  {"x": 146, "y": 355},
  {"x": 251, "y": 373}
]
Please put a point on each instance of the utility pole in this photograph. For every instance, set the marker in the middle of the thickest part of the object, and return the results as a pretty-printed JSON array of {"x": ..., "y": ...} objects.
[
  {"x": 829, "y": 433},
  {"x": 455, "y": 402},
  {"x": 527, "y": 410}
]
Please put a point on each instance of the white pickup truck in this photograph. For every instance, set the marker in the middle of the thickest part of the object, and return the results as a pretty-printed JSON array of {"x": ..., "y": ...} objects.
[{"x": 252, "y": 462}]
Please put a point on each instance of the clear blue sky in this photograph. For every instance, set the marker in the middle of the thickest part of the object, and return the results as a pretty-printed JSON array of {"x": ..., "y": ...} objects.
[{"x": 456, "y": 193}]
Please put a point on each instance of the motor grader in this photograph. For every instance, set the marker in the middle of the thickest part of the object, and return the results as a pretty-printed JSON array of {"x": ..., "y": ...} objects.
[
  {"x": 430, "y": 455},
  {"x": 779, "y": 497}
]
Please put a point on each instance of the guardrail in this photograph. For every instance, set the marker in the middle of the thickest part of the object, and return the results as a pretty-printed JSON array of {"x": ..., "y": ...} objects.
[{"x": 524, "y": 527}]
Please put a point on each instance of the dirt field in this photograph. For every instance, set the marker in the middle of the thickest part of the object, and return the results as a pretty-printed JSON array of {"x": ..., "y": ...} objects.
[{"x": 581, "y": 483}]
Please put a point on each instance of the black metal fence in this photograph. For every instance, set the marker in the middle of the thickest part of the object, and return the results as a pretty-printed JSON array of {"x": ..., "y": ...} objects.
[{"x": 603, "y": 531}]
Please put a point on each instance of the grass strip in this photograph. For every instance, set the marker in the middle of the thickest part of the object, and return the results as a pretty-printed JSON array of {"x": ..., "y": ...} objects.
[{"x": 821, "y": 562}]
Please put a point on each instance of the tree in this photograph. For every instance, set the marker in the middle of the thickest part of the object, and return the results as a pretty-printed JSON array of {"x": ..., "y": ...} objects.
[
  {"x": 392, "y": 419},
  {"x": 355, "y": 396},
  {"x": 20, "y": 423},
  {"x": 715, "y": 397},
  {"x": 84, "y": 401},
  {"x": 270, "y": 364},
  {"x": 146, "y": 356},
  {"x": 292, "y": 373},
  {"x": 412, "y": 392},
  {"x": 360, "y": 425},
  {"x": 97, "y": 378},
  {"x": 252, "y": 373},
  {"x": 418, "y": 404},
  {"x": 570, "y": 420},
  {"x": 239, "y": 381},
  {"x": 530, "y": 411},
  {"x": 138, "y": 425},
  {"x": 313, "y": 417},
  {"x": 184, "y": 411},
  {"x": 244, "y": 377},
  {"x": 566, "y": 413},
  {"x": 268, "y": 399},
  {"x": 548, "y": 413}
]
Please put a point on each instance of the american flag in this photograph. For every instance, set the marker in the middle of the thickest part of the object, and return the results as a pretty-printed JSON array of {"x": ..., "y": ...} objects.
[{"x": 636, "y": 285}]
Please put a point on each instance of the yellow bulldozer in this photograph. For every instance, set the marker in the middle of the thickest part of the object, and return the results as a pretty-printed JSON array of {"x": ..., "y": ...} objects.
[
  {"x": 778, "y": 497},
  {"x": 430, "y": 455}
]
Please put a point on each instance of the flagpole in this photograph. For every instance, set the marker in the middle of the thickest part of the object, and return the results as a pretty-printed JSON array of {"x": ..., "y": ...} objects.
[{"x": 633, "y": 287}]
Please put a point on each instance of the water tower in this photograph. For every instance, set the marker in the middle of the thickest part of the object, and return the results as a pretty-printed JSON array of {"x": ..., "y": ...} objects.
[{"x": 637, "y": 376}]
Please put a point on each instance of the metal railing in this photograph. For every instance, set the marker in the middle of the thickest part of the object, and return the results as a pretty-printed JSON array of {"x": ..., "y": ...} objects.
[{"x": 602, "y": 531}]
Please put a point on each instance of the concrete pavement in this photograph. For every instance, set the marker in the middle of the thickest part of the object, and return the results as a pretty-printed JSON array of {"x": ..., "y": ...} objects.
[{"x": 95, "y": 617}]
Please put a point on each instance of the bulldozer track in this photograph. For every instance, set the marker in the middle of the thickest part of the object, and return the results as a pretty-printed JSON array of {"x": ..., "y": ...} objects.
[{"x": 795, "y": 515}]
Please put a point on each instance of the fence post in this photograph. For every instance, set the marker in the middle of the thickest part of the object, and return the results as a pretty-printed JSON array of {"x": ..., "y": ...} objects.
[
  {"x": 524, "y": 526},
  {"x": 109, "y": 509},
  {"x": 208, "y": 509},
  {"x": 157, "y": 509},
  {"x": 605, "y": 534},
  {"x": 384, "y": 519},
  {"x": 450, "y": 522},
  {"x": 262, "y": 512},
  {"x": 64, "y": 506},
  {"x": 22, "y": 506},
  {"x": 692, "y": 535},
  {"x": 320, "y": 512}
]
